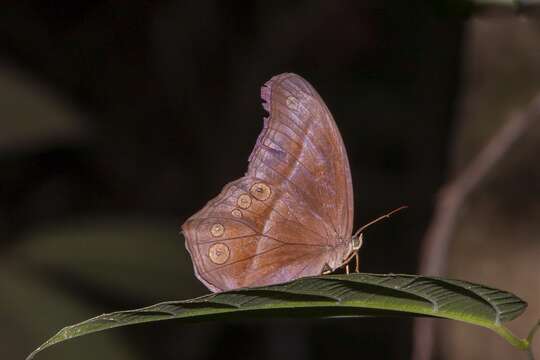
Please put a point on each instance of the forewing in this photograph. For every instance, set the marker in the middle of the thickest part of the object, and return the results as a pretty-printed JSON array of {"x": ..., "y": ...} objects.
[{"x": 301, "y": 150}]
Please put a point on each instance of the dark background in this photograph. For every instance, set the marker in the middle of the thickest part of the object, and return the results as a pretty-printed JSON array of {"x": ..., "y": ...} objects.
[{"x": 122, "y": 118}]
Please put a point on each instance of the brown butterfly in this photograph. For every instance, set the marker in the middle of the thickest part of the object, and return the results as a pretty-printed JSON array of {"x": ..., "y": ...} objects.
[{"x": 291, "y": 215}]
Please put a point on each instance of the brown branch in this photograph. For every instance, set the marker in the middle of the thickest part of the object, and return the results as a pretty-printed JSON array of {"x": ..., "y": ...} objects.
[{"x": 434, "y": 255}]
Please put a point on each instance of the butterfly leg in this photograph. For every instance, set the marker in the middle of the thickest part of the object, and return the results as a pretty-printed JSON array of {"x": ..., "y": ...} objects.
[
  {"x": 357, "y": 258},
  {"x": 347, "y": 269}
]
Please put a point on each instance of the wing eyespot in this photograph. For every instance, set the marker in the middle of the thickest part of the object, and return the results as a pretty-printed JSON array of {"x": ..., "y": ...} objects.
[
  {"x": 236, "y": 213},
  {"x": 217, "y": 230},
  {"x": 260, "y": 191},
  {"x": 244, "y": 201},
  {"x": 219, "y": 253}
]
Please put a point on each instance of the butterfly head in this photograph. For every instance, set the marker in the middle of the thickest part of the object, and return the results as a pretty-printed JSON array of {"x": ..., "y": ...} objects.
[{"x": 356, "y": 241}]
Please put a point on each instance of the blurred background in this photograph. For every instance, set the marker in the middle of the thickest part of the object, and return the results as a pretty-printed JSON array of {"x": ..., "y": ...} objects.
[{"x": 120, "y": 119}]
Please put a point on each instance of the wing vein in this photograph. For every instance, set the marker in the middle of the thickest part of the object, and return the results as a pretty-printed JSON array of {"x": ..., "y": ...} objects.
[{"x": 299, "y": 190}]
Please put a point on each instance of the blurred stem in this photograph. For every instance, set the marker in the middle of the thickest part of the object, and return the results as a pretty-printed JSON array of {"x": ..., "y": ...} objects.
[
  {"x": 530, "y": 339},
  {"x": 435, "y": 245},
  {"x": 515, "y": 341},
  {"x": 437, "y": 239},
  {"x": 522, "y": 344}
]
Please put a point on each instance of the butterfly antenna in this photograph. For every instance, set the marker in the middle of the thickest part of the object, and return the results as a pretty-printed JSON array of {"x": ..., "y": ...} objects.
[{"x": 385, "y": 216}]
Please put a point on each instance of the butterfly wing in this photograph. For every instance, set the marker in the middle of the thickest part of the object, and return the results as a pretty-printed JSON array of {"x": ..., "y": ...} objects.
[
  {"x": 244, "y": 238},
  {"x": 292, "y": 213},
  {"x": 301, "y": 149}
]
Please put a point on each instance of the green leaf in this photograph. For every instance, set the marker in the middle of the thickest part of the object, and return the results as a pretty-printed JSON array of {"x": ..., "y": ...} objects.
[{"x": 328, "y": 296}]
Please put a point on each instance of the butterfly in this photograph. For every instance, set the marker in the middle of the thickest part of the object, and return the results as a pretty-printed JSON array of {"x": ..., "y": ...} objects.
[{"x": 291, "y": 214}]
